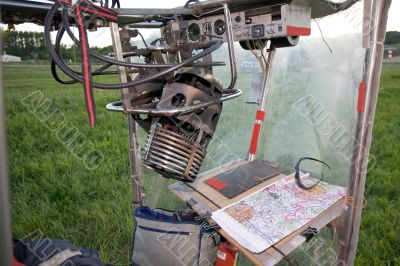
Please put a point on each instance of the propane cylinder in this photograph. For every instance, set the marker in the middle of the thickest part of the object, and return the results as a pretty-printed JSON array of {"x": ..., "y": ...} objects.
[{"x": 226, "y": 255}]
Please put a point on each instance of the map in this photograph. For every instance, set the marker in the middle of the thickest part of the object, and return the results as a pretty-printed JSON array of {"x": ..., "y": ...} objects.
[{"x": 265, "y": 217}]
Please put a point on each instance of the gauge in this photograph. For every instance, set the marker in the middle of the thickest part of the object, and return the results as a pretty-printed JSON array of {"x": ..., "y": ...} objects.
[
  {"x": 258, "y": 31},
  {"x": 207, "y": 28},
  {"x": 167, "y": 34},
  {"x": 219, "y": 27},
  {"x": 194, "y": 32}
]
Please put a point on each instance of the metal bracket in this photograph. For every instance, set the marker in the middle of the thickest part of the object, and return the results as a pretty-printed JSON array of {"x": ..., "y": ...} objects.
[{"x": 309, "y": 233}]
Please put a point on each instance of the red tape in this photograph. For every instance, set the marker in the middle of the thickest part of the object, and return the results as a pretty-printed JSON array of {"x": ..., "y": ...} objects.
[
  {"x": 260, "y": 115},
  {"x": 65, "y": 2},
  {"x": 361, "y": 97},
  {"x": 217, "y": 184},
  {"x": 298, "y": 31},
  {"x": 254, "y": 138}
]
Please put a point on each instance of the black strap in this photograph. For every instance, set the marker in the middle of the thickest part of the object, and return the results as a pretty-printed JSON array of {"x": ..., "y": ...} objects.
[{"x": 297, "y": 175}]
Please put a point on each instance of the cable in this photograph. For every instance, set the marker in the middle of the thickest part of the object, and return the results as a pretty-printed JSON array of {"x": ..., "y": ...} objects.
[
  {"x": 72, "y": 74},
  {"x": 53, "y": 64},
  {"x": 103, "y": 58},
  {"x": 208, "y": 12},
  {"x": 322, "y": 36},
  {"x": 53, "y": 67},
  {"x": 144, "y": 41}
]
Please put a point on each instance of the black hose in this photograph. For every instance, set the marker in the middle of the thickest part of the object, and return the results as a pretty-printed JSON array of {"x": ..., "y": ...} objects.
[
  {"x": 104, "y": 58},
  {"x": 53, "y": 66},
  {"x": 100, "y": 71},
  {"x": 73, "y": 75}
]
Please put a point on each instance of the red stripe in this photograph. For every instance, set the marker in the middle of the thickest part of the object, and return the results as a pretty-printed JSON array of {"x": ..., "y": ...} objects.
[
  {"x": 67, "y": 2},
  {"x": 298, "y": 31},
  {"x": 361, "y": 97},
  {"x": 254, "y": 138},
  {"x": 217, "y": 184},
  {"x": 99, "y": 13},
  {"x": 86, "y": 69},
  {"x": 260, "y": 115},
  {"x": 112, "y": 12},
  {"x": 89, "y": 4}
]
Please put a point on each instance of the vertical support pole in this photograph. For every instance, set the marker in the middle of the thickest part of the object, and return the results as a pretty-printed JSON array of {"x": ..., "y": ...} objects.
[
  {"x": 260, "y": 115},
  {"x": 5, "y": 220},
  {"x": 136, "y": 175},
  {"x": 351, "y": 219}
]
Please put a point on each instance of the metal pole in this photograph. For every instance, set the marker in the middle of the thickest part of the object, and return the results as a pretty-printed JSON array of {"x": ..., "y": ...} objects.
[
  {"x": 5, "y": 220},
  {"x": 260, "y": 115},
  {"x": 136, "y": 175},
  {"x": 351, "y": 219},
  {"x": 231, "y": 47}
]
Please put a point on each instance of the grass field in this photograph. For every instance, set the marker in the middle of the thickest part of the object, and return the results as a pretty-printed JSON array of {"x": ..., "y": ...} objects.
[{"x": 55, "y": 195}]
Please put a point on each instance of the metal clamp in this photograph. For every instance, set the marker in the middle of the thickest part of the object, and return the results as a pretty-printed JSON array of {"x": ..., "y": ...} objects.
[{"x": 309, "y": 233}]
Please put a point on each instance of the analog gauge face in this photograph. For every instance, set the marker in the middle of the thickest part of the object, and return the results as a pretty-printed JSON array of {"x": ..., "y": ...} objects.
[
  {"x": 207, "y": 28},
  {"x": 194, "y": 32},
  {"x": 219, "y": 27},
  {"x": 258, "y": 31}
]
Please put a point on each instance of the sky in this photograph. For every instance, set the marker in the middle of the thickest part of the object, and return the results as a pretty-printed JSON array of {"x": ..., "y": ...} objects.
[{"x": 103, "y": 38}]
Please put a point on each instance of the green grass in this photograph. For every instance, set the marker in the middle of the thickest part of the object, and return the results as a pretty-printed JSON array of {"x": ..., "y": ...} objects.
[
  {"x": 380, "y": 229},
  {"x": 54, "y": 195}
]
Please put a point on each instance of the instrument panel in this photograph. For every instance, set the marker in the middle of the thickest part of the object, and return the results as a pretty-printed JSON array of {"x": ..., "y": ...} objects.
[
  {"x": 214, "y": 28},
  {"x": 244, "y": 27}
]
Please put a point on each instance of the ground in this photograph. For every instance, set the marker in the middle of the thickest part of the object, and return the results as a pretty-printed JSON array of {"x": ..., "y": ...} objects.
[{"x": 57, "y": 194}]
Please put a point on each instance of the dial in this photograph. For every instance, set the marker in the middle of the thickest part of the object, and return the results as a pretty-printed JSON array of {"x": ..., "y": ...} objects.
[
  {"x": 207, "y": 28},
  {"x": 258, "y": 31},
  {"x": 194, "y": 32},
  {"x": 219, "y": 27}
]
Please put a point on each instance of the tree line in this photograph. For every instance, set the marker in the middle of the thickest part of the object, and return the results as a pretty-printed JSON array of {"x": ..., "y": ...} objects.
[
  {"x": 31, "y": 46},
  {"x": 25, "y": 44},
  {"x": 392, "y": 37}
]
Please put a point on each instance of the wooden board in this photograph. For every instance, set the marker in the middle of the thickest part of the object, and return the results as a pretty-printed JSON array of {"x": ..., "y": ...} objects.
[{"x": 208, "y": 200}]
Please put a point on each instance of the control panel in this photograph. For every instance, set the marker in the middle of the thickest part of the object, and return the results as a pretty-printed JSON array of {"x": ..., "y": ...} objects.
[{"x": 293, "y": 20}]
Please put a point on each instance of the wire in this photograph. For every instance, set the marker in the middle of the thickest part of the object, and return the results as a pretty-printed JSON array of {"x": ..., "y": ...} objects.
[
  {"x": 260, "y": 57},
  {"x": 322, "y": 36},
  {"x": 208, "y": 12}
]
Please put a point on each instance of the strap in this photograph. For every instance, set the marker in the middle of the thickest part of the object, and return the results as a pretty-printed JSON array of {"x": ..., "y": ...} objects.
[
  {"x": 90, "y": 9},
  {"x": 86, "y": 68},
  {"x": 297, "y": 175},
  {"x": 60, "y": 257}
]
